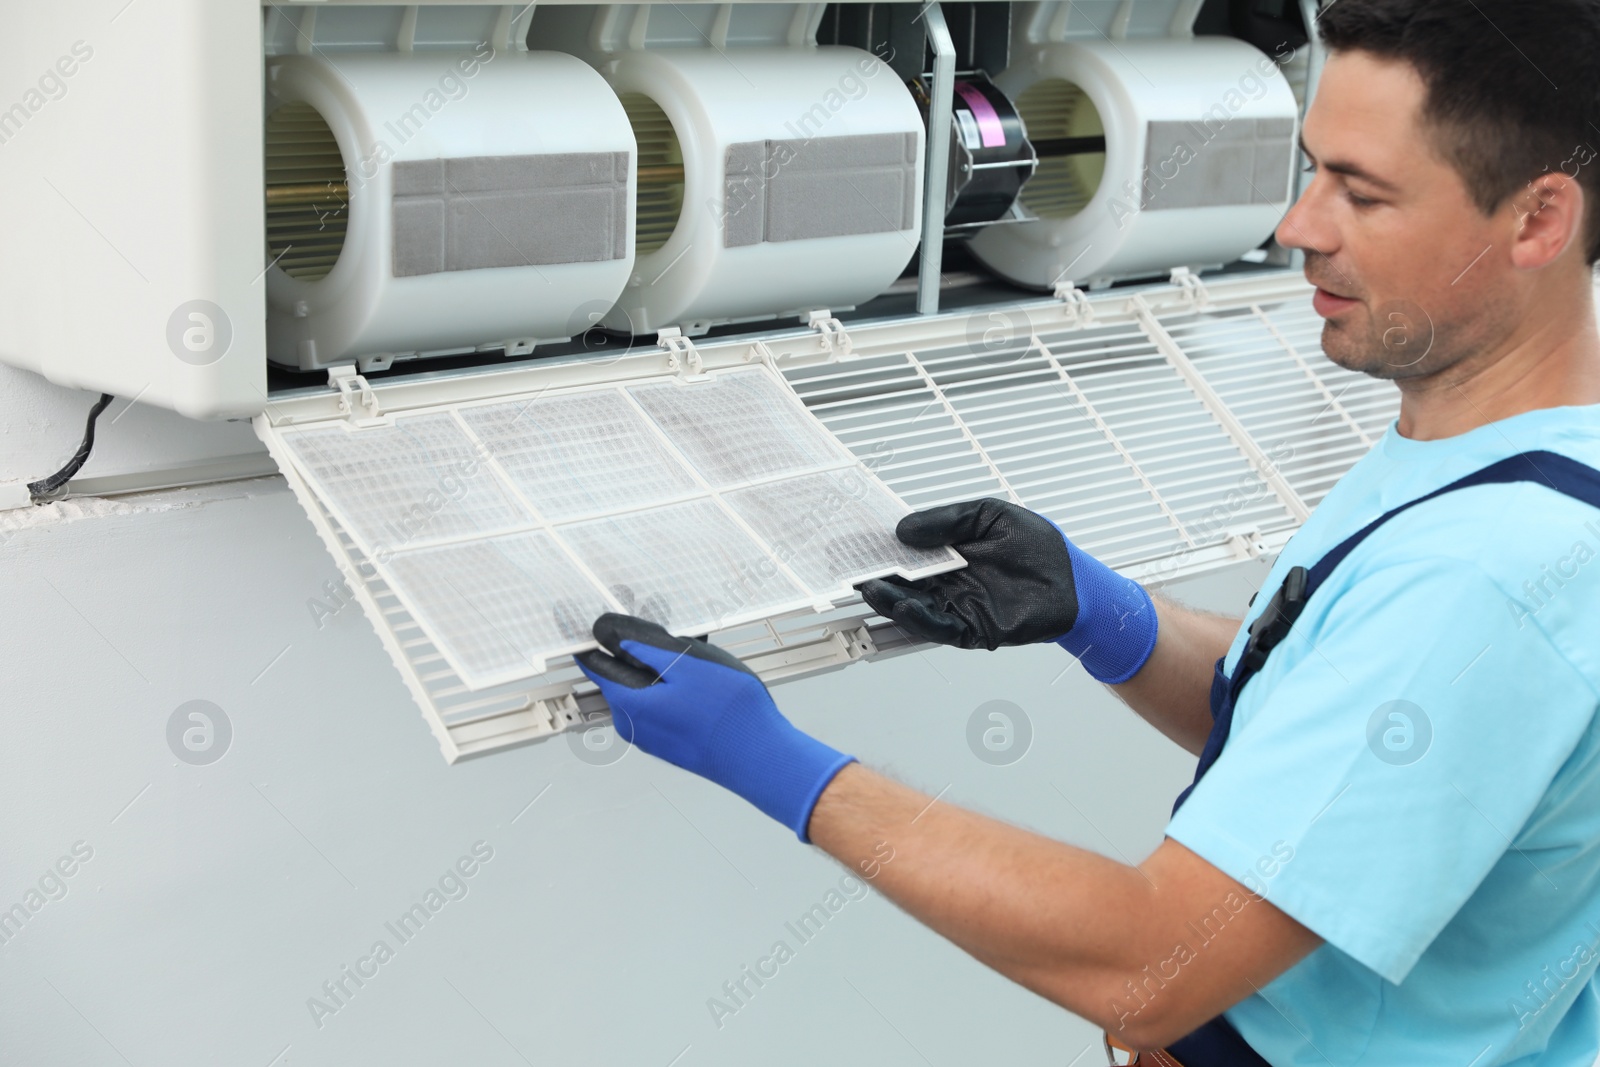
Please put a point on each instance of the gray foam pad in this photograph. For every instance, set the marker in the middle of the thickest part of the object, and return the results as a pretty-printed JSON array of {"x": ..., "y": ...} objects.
[
  {"x": 509, "y": 211},
  {"x": 1217, "y": 163},
  {"x": 819, "y": 187}
]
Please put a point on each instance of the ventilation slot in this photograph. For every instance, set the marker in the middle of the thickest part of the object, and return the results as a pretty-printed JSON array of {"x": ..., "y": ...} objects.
[
  {"x": 307, "y": 196},
  {"x": 1062, "y": 185},
  {"x": 660, "y": 196}
]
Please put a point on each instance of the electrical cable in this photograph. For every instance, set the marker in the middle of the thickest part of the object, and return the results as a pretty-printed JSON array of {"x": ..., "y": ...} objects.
[{"x": 55, "y": 486}]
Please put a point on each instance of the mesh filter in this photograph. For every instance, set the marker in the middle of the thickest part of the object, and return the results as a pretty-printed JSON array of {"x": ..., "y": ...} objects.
[
  {"x": 686, "y": 566},
  {"x": 739, "y": 427},
  {"x": 832, "y": 529},
  {"x": 1085, "y": 422},
  {"x": 507, "y": 527},
  {"x": 404, "y": 486},
  {"x": 580, "y": 454},
  {"x": 498, "y": 608}
]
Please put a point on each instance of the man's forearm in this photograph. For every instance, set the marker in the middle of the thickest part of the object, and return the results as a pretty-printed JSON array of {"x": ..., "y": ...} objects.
[
  {"x": 1010, "y": 898},
  {"x": 1172, "y": 691},
  {"x": 1079, "y": 929},
  {"x": 1094, "y": 936}
]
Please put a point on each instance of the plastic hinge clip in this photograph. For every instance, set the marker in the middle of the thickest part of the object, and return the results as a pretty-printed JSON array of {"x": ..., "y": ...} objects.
[
  {"x": 682, "y": 356},
  {"x": 1079, "y": 311},
  {"x": 760, "y": 352},
  {"x": 1194, "y": 291},
  {"x": 353, "y": 388},
  {"x": 835, "y": 339}
]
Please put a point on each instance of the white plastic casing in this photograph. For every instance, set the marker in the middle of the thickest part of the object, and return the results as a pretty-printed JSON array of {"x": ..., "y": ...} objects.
[
  {"x": 131, "y": 199},
  {"x": 715, "y": 99},
  {"x": 1133, "y": 83},
  {"x": 510, "y": 104}
]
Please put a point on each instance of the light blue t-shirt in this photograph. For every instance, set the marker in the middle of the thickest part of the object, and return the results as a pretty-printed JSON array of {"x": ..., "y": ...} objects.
[{"x": 1415, "y": 774}]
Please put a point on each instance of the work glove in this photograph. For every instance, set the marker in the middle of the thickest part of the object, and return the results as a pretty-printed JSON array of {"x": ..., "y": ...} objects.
[
  {"x": 696, "y": 706},
  {"x": 1024, "y": 583}
]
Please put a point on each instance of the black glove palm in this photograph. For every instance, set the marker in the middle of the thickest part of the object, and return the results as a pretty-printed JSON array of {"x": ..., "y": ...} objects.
[{"x": 1017, "y": 587}]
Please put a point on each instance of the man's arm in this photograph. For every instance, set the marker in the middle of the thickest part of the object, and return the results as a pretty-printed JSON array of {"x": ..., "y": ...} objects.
[
  {"x": 1148, "y": 952},
  {"x": 1172, "y": 691}
]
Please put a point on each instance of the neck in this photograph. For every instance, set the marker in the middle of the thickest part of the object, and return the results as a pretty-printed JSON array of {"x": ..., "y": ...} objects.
[{"x": 1551, "y": 361}]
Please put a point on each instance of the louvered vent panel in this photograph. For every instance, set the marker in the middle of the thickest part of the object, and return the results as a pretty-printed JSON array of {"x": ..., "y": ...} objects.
[
  {"x": 1178, "y": 444},
  {"x": 1053, "y": 448},
  {"x": 1264, "y": 359},
  {"x": 1130, "y": 432},
  {"x": 885, "y": 412}
]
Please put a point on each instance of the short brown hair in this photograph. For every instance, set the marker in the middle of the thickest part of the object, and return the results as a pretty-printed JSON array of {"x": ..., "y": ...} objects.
[{"x": 1513, "y": 86}]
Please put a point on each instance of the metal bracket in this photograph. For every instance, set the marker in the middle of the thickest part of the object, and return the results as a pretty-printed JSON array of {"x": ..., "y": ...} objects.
[
  {"x": 835, "y": 339},
  {"x": 1194, "y": 291},
  {"x": 1079, "y": 311},
  {"x": 682, "y": 356},
  {"x": 352, "y": 388}
]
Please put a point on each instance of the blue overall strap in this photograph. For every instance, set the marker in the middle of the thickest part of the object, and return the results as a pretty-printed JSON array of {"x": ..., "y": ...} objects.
[
  {"x": 1561, "y": 473},
  {"x": 1217, "y": 1044}
]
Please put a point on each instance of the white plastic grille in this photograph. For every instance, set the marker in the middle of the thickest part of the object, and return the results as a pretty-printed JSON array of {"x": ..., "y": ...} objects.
[
  {"x": 1129, "y": 430},
  {"x": 1183, "y": 453},
  {"x": 1262, "y": 353},
  {"x": 585, "y": 475},
  {"x": 1090, "y": 427},
  {"x": 887, "y": 414}
]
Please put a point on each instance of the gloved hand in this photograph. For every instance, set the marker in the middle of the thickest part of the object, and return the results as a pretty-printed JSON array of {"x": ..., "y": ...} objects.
[
  {"x": 1024, "y": 582},
  {"x": 695, "y": 705}
]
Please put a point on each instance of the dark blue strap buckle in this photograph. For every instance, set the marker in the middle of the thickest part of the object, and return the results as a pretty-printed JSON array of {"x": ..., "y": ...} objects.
[{"x": 1276, "y": 619}]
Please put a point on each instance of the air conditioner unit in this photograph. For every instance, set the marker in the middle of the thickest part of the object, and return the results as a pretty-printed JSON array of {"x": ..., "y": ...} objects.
[{"x": 545, "y": 312}]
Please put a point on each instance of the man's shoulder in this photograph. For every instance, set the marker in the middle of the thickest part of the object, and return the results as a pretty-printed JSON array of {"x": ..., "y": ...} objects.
[
  {"x": 1532, "y": 549},
  {"x": 1512, "y": 534},
  {"x": 1503, "y": 528}
]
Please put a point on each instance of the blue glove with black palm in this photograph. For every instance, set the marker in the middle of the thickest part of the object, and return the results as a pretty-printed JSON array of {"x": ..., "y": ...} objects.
[
  {"x": 696, "y": 706},
  {"x": 1024, "y": 583}
]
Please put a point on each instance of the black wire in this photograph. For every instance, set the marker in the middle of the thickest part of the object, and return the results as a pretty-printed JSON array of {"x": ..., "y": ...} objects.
[{"x": 56, "y": 485}]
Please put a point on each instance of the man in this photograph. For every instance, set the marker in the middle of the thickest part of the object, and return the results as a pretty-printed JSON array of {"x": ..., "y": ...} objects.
[{"x": 1396, "y": 856}]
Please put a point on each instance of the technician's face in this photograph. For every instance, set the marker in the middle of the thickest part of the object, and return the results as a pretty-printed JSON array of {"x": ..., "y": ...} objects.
[{"x": 1401, "y": 255}]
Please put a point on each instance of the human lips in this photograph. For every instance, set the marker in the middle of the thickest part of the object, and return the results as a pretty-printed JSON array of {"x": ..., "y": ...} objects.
[{"x": 1328, "y": 302}]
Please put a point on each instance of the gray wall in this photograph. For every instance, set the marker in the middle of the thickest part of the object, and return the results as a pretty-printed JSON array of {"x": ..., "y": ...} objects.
[{"x": 219, "y": 898}]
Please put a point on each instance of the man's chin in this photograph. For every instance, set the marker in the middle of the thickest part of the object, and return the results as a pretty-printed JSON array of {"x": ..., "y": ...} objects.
[{"x": 1367, "y": 357}]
